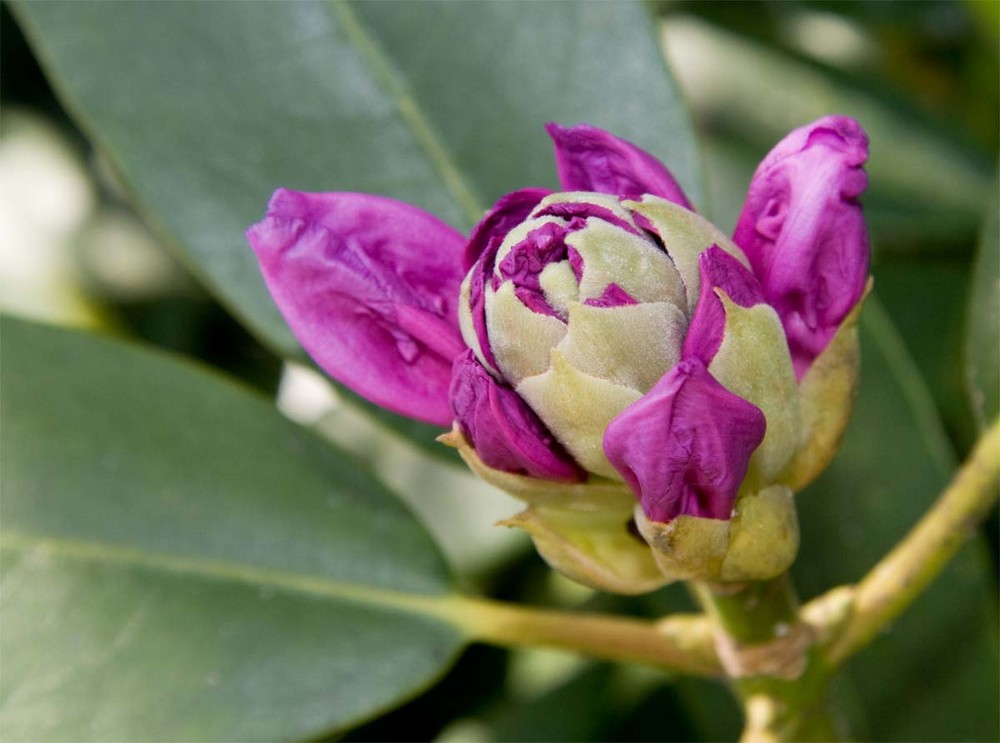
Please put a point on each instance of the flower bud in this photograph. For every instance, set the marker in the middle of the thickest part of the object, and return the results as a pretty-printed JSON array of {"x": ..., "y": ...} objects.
[
  {"x": 583, "y": 312},
  {"x": 607, "y": 345}
]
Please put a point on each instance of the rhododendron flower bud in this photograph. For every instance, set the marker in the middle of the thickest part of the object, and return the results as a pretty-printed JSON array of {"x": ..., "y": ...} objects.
[{"x": 604, "y": 353}]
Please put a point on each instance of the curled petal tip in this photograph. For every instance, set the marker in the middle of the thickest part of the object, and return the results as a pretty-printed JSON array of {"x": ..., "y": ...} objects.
[
  {"x": 591, "y": 159},
  {"x": 718, "y": 270}
]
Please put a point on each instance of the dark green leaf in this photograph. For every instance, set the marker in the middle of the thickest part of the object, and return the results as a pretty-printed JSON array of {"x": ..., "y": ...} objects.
[
  {"x": 982, "y": 343},
  {"x": 933, "y": 676},
  {"x": 180, "y": 562},
  {"x": 438, "y": 104},
  {"x": 926, "y": 299}
]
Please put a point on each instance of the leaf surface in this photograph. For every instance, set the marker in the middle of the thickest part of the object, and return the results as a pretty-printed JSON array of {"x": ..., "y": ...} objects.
[
  {"x": 180, "y": 562},
  {"x": 438, "y": 104},
  {"x": 933, "y": 675},
  {"x": 982, "y": 342}
]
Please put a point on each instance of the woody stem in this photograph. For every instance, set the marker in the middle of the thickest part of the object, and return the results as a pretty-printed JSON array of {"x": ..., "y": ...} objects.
[{"x": 771, "y": 660}]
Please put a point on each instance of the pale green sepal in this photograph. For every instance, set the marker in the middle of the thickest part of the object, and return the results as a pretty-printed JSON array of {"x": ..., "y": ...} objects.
[
  {"x": 763, "y": 536},
  {"x": 753, "y": 362},
  {"x": 596, "y": 494},
  {"x": 631, "y": 345},
  {"x": 759, "y": 542},
  {"x": 687, "y": 547},
  {"x": 613, "y": 256},
  {"x": 577, "y": 409},
  {"x": 559, "y": 285},
  {"x": 685, "y": 235},
  {"x": 596, "y": 549},
  {"x": 827, "y": 393},
  {"x": 519, "y": 338}
]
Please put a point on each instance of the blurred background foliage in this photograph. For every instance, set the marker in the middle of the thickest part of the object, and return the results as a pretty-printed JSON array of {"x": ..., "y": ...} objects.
[{"x": 921, "y": 76}]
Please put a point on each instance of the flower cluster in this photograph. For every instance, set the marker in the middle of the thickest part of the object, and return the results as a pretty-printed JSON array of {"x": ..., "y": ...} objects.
[{"x": 605, "y": 345}]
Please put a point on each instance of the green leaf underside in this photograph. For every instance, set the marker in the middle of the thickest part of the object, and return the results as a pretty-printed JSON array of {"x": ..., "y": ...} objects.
[
  {"x": 933, "y": 675},
  {"x": 180, "y": 562},
  {"x": 221, "y": 103}
]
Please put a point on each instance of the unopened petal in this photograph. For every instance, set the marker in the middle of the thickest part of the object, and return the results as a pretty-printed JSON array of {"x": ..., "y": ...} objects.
[
  {"x": 506, "y": 214},
  {"x": 804, "y": 232},
  {"x": 684, "y": 447},
  {"x": 369, "y": 286},
  {"x": 504, "y": 431},
  {"x": 591, "y": 159},
  {"x": 718, "y": 270}
]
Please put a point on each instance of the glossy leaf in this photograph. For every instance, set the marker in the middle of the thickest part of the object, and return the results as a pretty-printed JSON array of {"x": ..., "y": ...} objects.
[
  {"x": 180, "y": 562},
  {"x": 221, "y": 103},
  {"x": 933, "y": 675},
  {"x": 982, "y": 342}
]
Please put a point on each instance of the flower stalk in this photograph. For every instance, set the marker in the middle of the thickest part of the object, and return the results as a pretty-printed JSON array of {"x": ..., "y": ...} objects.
[{"x": 680, "y": 643}]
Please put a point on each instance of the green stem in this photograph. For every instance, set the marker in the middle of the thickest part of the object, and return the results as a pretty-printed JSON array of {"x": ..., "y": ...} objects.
[
  {"x": 768, "y": 653},
  {"x": 904, "y": 573},
  {"x": 681, "y": 643}
]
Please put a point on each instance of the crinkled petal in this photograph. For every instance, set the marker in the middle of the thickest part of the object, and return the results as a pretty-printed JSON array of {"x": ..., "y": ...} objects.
[
  {"x": 804, "y": 231},
  {"x": 718, "y": 270},
  {"x": 591, "y": 159},
  {"x": 505, "y": 215},
  {"x": 369, "y": 286},
  {"x": 684, "y": 447},
  {"x": 503, "y": 430},
  {"x": 480, "y": 256}
]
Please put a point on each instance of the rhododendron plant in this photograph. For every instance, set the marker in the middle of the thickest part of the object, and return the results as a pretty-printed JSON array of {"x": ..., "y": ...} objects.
[{"x": 605, "y": 343}]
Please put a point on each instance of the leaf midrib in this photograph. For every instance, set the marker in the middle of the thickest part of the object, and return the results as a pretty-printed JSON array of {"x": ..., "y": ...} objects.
[
  {"x": 388, "y": 79},
  {"x": 436, "y": 606}
]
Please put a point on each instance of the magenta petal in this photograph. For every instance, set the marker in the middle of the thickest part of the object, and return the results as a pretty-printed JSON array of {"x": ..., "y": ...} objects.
[
  {"x": 591, "y": 159},
  {"x": 804, "y": 232},
  {"x": 505, "y": 215},
  {"x": 369, "y": 286},
  {"x": 504, "y": 431},
  {"x": 720, "y": 270},
  {"x": 684, "y": 447}
]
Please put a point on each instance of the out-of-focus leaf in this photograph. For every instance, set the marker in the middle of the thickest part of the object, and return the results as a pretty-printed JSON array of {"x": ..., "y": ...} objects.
[
  {"x": 438, "y": 104},
  {"x": 927, "y": 186},
  {"x": 926, "y": 299},
  {"x": 982, "y": 342},
  {"x": 580, "y": 709},
  {"x": 180, "y": 562},
  {"x": 933, "y": 676}
]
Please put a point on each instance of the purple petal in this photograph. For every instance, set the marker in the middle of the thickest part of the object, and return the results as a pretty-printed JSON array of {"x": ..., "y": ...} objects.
[
  {"x": 569, "y": 210},
  {"x": 613, "y": 296},
  {"x": 684, "y": 447},
  {"x": 504, "y": 431},
  {"x": 720, "y": 270},
  {"x": 505, "y": 215},
  {"x": 369, "y": 286},
  {"x": 481, "y": 250},
  {"x": 524, "y": 263},
  {"x": 591, "y": 159},
  {"x": 804, "y": 232}
]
